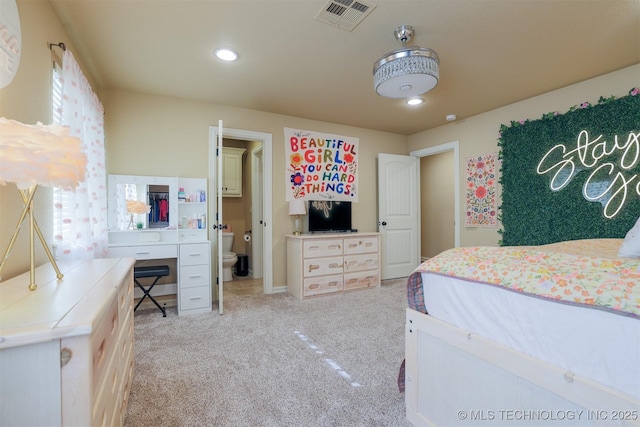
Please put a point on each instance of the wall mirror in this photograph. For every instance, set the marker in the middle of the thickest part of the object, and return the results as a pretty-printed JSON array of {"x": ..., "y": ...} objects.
[{"x": 138, "y": 203}]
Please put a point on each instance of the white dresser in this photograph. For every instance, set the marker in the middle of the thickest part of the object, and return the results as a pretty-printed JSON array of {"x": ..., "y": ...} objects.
[
  {"x": 66, "y": 349},
  {"x": 320, "y": 264}
]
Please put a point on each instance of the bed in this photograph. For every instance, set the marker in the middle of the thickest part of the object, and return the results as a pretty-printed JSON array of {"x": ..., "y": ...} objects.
[{"x": 544, "y": 335}]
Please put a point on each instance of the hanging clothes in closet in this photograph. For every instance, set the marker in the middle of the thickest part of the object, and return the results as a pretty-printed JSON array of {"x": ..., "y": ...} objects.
[{"x": 159, "y": 213}]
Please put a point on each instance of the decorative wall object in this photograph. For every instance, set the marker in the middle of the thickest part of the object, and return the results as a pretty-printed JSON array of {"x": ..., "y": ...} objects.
[
  {"x": 10, "y": 42},
  {"x": 321, "y": 166},
  {"x": 572, "y": 176},
  {"x": 482, "y": 206}
]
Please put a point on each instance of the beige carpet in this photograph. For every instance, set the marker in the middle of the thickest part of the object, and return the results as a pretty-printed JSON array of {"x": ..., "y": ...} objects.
[{"x": 273, "y": 361}]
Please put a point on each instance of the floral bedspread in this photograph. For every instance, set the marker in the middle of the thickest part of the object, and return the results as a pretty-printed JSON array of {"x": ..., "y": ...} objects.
[{"x": 581, "y": 272}]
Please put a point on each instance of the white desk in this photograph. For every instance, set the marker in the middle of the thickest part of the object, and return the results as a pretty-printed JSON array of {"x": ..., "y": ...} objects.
[{"x": 193, "y": 278}]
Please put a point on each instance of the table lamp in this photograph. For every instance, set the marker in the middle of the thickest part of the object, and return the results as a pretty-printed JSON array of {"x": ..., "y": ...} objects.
[
  {"x": 32, "y": 155},
  {"x": 297, "y": 207}
]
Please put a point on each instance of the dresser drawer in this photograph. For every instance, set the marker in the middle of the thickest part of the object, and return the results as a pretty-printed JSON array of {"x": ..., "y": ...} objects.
[
  {"x": 125, "y": 297},
  {"x": 103, "y": 341},
  {"x": 365, "y": 279},
  {"x": 194, "y": 253},
  {"x": 126, "y": 391},
  {"x": 360, "y": 245},
  {"x": 192, "y": 298},
  {"x": 321, "y": 247},
  {"x": 322, "y": 285},
  {"x": 323, "y": 266},
  {"x": 144, "y": 252},
  {"x": 194, "y": 275},
  {"x": 106, "y": 398},
  {"x": 360, "y": 262}
]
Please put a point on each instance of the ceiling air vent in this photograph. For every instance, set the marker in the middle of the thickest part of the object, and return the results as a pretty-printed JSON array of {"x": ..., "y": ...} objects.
[{"x": 344, "y": 14}]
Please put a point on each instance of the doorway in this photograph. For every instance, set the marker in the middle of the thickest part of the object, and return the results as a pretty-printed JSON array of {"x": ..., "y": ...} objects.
[
  {"x": 258, "y": 226},
  {"x": 440, "y": 204}
]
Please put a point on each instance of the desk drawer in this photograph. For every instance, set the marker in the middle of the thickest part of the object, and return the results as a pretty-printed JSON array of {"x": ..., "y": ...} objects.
[
  {"x": 194, "y": 275},
  {"x": 144, "y": 252},
  {"x": 194, "y": 254},
  {"x": 197, "y": 297}
]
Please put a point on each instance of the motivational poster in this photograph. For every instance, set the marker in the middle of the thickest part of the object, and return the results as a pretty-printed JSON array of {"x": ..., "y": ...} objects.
[{"x": 321, "y": 166}]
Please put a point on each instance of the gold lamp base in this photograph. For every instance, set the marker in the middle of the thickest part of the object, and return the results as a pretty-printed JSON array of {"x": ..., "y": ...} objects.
[{"x": 27, "y": 198}]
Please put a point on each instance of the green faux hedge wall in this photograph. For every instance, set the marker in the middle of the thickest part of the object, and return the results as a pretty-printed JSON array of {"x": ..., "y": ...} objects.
[{"x": 533, "y": 214}]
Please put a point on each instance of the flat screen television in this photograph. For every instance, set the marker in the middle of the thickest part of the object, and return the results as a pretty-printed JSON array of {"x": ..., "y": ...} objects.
[{"x": 329, "y": 216}]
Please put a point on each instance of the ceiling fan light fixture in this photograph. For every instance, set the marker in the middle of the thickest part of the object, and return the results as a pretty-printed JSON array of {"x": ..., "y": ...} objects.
[{"x": 406, "y": 72}]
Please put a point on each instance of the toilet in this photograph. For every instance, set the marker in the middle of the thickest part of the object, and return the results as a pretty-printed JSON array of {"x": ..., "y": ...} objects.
[{"x": 229, "y": 258}]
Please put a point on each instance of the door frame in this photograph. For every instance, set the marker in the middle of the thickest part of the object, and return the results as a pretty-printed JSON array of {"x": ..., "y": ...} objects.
[
  {"x": 257, "y": 205},
  {"x": 267, "y": 187},
  {"x": 455, "y": 147}
]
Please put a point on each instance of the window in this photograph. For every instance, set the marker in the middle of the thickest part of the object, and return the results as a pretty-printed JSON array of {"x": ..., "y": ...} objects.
[{"x": 80, "y": 215}]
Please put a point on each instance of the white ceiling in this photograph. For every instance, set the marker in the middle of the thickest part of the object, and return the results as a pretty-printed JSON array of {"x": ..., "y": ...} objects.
[{"x": 492, "y": 53}]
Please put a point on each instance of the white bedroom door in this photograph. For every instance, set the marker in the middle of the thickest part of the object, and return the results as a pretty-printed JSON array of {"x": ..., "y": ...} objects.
[{"x": 399, "y": 214}]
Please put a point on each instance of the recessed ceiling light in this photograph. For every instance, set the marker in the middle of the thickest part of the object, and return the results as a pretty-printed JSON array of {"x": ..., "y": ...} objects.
[
  {"x": 451, "y": 117},
  {"x": 226, "y": 55},
  {"x": 415, "y": 101}
]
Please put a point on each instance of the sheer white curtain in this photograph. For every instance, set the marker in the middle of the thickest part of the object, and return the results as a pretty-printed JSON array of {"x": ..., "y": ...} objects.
[{"x": 81, "y": 215}]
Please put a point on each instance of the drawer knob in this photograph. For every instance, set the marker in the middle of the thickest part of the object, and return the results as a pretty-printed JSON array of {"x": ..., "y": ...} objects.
[
  {"x": 313, "y": 267},
  {"x": 65, "y": 356}
]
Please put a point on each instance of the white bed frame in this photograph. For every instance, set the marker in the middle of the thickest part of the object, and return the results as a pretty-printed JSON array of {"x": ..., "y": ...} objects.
[{"x": 454, "y": 377}]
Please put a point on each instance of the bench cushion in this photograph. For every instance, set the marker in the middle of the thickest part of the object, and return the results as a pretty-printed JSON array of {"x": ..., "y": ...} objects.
[{"x": 151, "y": 271}]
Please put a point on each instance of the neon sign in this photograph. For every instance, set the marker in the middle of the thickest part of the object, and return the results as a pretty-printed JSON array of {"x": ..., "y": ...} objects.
[{"x": 611, "y": 162}]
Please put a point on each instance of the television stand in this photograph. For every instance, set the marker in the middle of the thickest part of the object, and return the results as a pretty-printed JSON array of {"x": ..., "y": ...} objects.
[{"x": 320, "y": 264}]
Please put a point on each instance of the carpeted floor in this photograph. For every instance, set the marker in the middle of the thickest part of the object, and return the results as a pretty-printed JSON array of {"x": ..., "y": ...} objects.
[{"x": 273, "y": 361}]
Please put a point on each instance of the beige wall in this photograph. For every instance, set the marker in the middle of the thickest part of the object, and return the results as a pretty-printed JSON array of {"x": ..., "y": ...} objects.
[
  {"x": 153, "y": 135},
  {"x": 479, "y": 134}
]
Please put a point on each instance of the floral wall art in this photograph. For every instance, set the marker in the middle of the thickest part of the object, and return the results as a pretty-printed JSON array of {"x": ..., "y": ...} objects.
[
  {"x": 481, "y": 191},
  {"x": 321, "y": 166}
]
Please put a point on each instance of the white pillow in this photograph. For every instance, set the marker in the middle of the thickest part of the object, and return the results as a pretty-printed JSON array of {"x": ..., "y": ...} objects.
[{"x": 631, "y": 245}]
